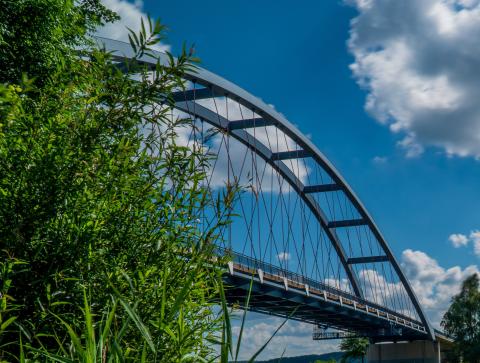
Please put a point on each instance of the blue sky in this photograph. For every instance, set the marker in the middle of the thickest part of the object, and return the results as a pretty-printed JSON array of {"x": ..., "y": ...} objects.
[{"x": 411, "y": 154}]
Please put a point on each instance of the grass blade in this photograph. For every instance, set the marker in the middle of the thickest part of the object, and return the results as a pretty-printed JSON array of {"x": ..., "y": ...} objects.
[
  {"x": 73, "y": 336},
  {"x": 90, "y": 338},
  {"x": 227, "y": 328},
  {"x": 247, "y": 304},
  {"x": 51, "y": 357},
  {"x": 251, "y": 360},
  {"x": 139, "y": 324},
  {"x": 108, "y": 323}
]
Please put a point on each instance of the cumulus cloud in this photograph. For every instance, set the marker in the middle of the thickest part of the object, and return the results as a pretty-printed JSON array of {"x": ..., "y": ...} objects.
[
  {"x": 475, "y": 238},
  {"x": 379, "y": 289},
  {"x": 131, "y": 14},
  {"x": 293, "y": 339},
  {"x": 461, "y": 240},
  {"x": 458, "y": 240},
  {"x": 433, "y": 284},
  {"x": 418, "y": 61}
]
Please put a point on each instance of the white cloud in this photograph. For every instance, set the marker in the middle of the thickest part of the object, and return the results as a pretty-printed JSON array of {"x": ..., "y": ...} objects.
[
  {"x": 418, "y": 61},
  {"x": 412, "y": 148},
  {"x": 131, "y": 15},
  {"x": 475, "y": 237},
  {"x": 293, "y": 339},
  {"x": 283, "y": 256},
  {"x": 382, "y": 291},
  {"x": 380, "y": 159},
  {"x": 342, "y": 284},
  {"x": 458, "y": 240},
  {"x": 433, "y": 284}
]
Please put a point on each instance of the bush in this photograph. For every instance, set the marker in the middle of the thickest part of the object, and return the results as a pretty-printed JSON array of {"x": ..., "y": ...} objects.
[{"x": 102, "y": 229}]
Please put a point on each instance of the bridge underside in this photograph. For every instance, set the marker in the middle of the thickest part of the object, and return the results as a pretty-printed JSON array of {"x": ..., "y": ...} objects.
[{"x": 274, "y": 298}]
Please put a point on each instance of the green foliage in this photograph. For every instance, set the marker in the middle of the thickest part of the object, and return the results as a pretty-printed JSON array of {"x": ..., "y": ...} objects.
[
  {"x": 462, "y": 320},
  {"x": 37, "y": 35},
  {"x": 99, "y": 342},
  {"x": 354, "y": 348},
  {"x": 103, "y": 257}
]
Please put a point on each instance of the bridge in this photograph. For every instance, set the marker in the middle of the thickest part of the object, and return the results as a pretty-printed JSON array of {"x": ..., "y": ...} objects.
[{"x": 302, "y": 242}]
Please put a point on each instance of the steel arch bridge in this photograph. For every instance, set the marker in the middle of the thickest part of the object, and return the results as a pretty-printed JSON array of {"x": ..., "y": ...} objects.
[{"x": 302, "y": 236}]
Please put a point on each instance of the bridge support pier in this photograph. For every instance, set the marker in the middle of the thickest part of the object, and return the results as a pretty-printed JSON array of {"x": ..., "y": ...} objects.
[{"x": 421, "y": 351}]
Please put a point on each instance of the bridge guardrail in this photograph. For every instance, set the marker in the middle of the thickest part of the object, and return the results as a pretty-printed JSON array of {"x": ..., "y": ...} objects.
[{"x": 254, "y": 265}]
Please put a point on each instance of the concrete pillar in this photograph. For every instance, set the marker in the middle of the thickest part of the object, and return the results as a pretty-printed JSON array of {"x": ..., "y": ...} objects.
[{"x": 421, "y": 351}]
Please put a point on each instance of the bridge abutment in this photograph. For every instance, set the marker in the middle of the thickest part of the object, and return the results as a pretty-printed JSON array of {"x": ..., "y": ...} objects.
[{"x": 421, "y": 351}]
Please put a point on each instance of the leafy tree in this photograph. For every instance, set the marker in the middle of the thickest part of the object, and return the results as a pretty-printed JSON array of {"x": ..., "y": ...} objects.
[
  {"x": 462, "y": 320},
  {"x": 354, "y": 348},
  {"x": 101, "y": 210},
  {"x": 36, "y": 35}
]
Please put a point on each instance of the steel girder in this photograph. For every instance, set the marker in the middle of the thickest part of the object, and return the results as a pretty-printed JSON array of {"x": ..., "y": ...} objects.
[{"x": 273, "y": 299}]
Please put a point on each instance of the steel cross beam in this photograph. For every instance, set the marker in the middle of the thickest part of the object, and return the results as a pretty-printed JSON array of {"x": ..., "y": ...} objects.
[{"x": 220, "y": 86}]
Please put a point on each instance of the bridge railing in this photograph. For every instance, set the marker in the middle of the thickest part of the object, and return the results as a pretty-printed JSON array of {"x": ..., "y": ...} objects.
[
  {"x": 254, "y": 264},
  {"x": 322, "y": 334}
]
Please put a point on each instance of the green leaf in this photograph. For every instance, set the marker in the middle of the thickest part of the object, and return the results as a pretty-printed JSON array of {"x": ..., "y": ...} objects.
[
  {"x": 245, "y": 309},
  {"x": 51, "y": 357},
  {"x": 6, "y": 323},
  {"x": 73, "y": 337},
  {"x": 139, "y": 324}
]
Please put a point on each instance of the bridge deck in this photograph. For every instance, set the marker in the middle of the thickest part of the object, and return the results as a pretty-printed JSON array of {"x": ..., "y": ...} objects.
[{"x": 281, "y": 293}]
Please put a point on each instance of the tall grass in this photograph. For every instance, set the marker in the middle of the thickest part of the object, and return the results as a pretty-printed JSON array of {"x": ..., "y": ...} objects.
[
  {"x": 102, "y": 338},
  {"x": 98, "y": 342}
]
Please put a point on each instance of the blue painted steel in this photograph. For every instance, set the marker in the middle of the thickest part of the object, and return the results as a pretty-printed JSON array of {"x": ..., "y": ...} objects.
[
  {"x": 367, "y": 259},
  {"x": 294, "y": 154},
  {"x": 249, "y": 123},
  {"x": 321, "y": 188}
]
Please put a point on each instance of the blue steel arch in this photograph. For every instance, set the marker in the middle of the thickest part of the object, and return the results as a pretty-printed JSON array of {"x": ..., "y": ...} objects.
[{"x": 216, "y": 86}]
